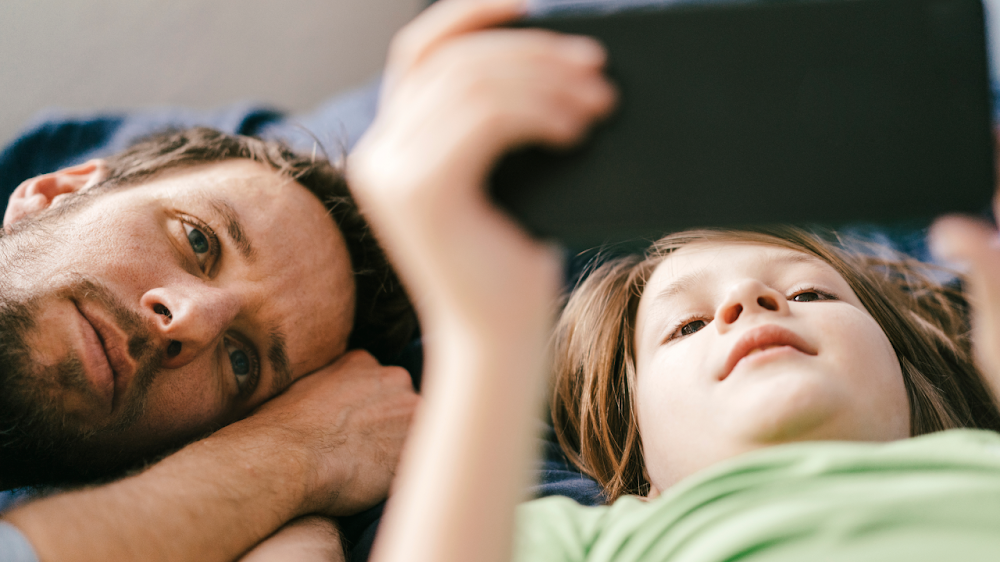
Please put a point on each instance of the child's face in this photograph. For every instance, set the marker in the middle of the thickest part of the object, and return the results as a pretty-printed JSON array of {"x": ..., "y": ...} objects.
[{"x": 740, "y": 346}]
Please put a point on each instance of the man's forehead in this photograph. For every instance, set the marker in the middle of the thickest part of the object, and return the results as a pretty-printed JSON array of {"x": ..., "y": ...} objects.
[{"x": 237, "y": 174}]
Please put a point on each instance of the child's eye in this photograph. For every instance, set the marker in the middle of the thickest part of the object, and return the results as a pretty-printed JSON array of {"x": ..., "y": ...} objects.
[
  {"x": 692, "y": 327},
  {"x": 687, "y": 328},
  {"x": 810, "y": 295}
]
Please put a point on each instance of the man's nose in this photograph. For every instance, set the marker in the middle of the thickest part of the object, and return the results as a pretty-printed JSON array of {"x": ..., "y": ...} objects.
[
  {"x": 189, "y": 319},
  {"x": 748, "y": 297}
]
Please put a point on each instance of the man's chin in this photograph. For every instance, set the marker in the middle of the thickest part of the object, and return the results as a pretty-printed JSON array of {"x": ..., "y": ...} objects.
[{"x": 54, "y": 435}]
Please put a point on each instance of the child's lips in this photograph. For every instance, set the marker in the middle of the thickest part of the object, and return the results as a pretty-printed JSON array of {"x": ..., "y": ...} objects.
[{"x": 762, "y": 339}]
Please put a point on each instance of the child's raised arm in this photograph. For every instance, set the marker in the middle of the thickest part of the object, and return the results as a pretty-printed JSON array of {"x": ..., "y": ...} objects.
[
  {"x": 458, "y": 95},
  {"x": 973, "y": 245}
]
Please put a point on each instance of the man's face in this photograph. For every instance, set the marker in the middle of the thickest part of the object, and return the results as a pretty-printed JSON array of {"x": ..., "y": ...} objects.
[{"x": 160, "y": 311}]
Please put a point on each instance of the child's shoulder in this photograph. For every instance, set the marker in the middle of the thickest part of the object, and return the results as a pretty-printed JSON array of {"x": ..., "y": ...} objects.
[{"x": 787, "y": 497}]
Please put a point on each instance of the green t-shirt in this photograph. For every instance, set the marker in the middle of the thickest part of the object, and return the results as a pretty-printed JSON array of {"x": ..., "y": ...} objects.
[{"x": 935, "y": 497}]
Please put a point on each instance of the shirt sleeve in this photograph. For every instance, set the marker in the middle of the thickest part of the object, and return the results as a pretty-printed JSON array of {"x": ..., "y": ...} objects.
[{"x": 13, "y": 546}]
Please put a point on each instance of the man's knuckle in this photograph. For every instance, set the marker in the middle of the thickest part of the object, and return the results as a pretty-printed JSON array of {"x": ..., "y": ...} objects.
[{"x": 396, "y": 374}]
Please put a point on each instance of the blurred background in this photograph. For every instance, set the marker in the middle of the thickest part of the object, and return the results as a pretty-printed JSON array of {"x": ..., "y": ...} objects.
[
  {"x": 87, "y": 55},
  {"x": 90, "y": 55}
]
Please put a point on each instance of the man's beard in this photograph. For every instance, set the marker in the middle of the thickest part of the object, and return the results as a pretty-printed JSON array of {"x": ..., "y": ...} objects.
[{"x": 40, "y": 443}]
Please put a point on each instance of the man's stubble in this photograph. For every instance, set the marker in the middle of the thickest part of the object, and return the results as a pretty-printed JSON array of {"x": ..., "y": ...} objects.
[{"x": 40, "y": 439}]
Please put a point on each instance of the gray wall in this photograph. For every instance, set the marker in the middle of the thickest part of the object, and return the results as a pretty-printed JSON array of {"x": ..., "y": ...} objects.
[{"x": 86, "y": 55}]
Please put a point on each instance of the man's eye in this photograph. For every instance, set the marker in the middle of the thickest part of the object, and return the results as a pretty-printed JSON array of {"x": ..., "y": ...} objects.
[
  {"x": 203, "y": 243},
  {"x": 199, "y": 243},
  {"x": 244, "y": 368}
]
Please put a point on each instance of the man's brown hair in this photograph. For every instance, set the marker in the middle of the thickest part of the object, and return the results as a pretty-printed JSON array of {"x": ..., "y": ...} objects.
[
  {"x": 384, "y": 321},
  {"x": 592, "y": 402}
]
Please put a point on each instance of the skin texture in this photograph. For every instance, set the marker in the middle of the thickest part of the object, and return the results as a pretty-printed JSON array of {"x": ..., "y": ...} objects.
[
  {"x": 700, "y": 302},
  {"x": 308, "y": 539},
  {"x": 134, "y": 245},
  {"x": 328, "y": 444},
  {"x": 485, "y": 292},
  {"x": 480, "y": 282},
  {"x": 973, "y": 246}
]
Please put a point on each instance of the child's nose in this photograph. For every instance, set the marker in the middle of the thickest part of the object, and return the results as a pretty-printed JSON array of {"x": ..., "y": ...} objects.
[{"x": 750, "y": 296}]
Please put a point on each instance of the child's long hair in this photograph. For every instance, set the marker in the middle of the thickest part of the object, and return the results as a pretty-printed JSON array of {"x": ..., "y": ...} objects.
[{"x": 592, "y": 401}]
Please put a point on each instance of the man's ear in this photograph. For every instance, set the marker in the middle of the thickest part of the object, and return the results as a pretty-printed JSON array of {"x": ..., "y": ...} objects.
[{"x": 41, "y": 192}]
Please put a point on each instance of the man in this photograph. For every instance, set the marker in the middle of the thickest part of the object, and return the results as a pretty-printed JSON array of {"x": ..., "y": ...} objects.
[
  {"x": 168, "y": 291},
  {"x": 171, "y": 289}
]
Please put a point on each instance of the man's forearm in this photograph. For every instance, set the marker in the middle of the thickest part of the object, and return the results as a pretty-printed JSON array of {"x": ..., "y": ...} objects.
[{"x": 212, "y": 500}]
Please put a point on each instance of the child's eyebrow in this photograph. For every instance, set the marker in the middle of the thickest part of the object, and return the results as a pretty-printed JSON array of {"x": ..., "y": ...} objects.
[
  {"x": 684, "y": 283},
  {"x": 680, "y": 285}
]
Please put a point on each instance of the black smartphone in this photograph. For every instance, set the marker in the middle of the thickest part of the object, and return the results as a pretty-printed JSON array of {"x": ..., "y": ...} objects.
[{"x": 792, "y": 111}]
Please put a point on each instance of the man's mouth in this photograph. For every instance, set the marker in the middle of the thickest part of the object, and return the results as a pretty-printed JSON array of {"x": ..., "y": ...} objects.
[
  {"x": 762, "y": 340},
  {"x": 107, "y": 359}
]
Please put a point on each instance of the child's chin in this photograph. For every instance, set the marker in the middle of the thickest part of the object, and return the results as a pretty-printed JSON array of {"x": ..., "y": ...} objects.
[{"x": 786, "y": 407}]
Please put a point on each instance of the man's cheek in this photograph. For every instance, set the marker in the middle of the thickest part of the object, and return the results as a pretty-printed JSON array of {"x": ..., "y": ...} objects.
[
  {"x": 50, "y": 338},
  {"x": 184, "y": 402}
]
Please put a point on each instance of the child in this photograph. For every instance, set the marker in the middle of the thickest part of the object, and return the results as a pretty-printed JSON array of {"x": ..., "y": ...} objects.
[
  {"x": 603, "y": 334},
  {"x": 678, "y": 380}
]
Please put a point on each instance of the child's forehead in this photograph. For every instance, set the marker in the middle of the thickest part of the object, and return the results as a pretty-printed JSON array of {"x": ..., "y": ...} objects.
[{"x": 699, "y": 261}]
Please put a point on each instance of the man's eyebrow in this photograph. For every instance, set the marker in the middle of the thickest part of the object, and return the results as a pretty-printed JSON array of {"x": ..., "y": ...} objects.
[
  {"x": 234, "y": 228},
  {"x": 279, "y": 361}
]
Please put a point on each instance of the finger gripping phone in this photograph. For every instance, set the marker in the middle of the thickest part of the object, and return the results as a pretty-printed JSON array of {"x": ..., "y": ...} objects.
[{"x": 797, "y": 111}]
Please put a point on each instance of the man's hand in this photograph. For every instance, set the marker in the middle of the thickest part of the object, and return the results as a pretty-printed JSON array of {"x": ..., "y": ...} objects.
[
  {"x": 350, "y": 418},
  {"x": 329, "y": 444}
]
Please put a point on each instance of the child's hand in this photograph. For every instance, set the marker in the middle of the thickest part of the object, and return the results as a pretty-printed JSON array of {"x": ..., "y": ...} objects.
[
  {"x": 457, "y": 96},
  {"x": 974, "y": 247}
]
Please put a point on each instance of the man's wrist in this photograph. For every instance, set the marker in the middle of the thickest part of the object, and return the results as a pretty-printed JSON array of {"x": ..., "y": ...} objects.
[
  {"x": 315, "y": 475},
  {"x": 278, "y": 456}
]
